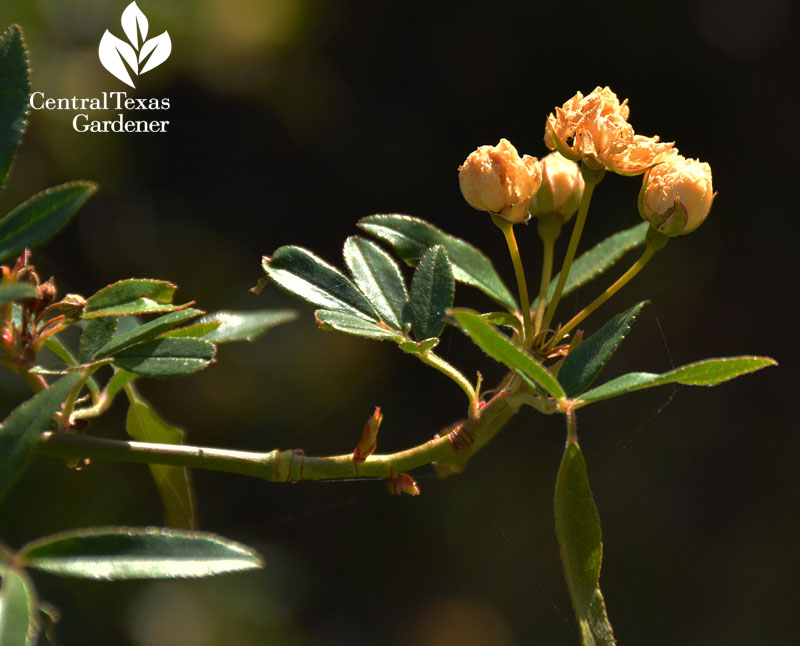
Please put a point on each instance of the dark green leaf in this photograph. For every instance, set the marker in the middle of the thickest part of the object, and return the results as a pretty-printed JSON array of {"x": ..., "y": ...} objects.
[
  {"x": 379, "y": 279},
  {"x": 581, "y": 546},
  {"x": 18, "y": 292},
  {"x": 585, "y": 362},
  {"x": 500, "y": 348},
  {"x": 302, "y": 273},
  {"x": 42, "y": 216},
  {"x": 412, "y": 237},
  {"x": 15, "y": 87},
  {"x": 114, "y": 553},
  {"x": 95, "y": 335},
  {"x": 351, "y": 324},
  {"x": 432, "y": 291},
  {"x": 244, "y": 326},
  {"x": 21, "y": 429},
  {"x": 146, "y": 331},
  {"x": 708, "y": 372},
  {"x": 18, "y": 608},
  {"x": 602, "y": 256},
  {"x": 132, "y": 296},
  {"x": 166, "y": 357},
  {"x": 173, "y": 483}
]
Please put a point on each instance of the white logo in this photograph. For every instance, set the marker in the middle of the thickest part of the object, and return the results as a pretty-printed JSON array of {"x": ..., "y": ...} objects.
[{"x": 114, "y": 52}]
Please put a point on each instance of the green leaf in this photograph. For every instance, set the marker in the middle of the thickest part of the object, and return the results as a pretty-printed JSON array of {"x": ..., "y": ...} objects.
[
  {"x": 432, "y": 291},
  {"x": 165, "y": 357},
  {"x": 419, "y": 348},
  {"x": 18, "y": 608},
  {"x": 132, "y": 296},
  {"x": 243, "y": 326},
  {"x": 708, "y": 372},
  {"x": 21, "y": 429},
  {"x": 120, "y": 379},
  {"x": 95, "y": 335},
  {"x": 411, "y": 237},
  {"x": 581, "y": 546},
  {"x": 500, "y": 348},
  {"x": 598, "y": 259},
  {"x": 173, "y": 483},
  {"x": 15, "y": 87},
  {"x": 17, "y": 292},
  {"x": 42, "y": 216},
  {"x": 506, "y": 319},
  {"x": 351, "y": 324},
  {"x": 584, "y": 363},
  {"x": 146, "y": 331},
  {"x": 300, "y": 272},
  {"x": 114, "y": 553},
  {"x": 194, "y": 331},
  {"x": 60, "y": 350},
  {"x": 379, "y": 279}
]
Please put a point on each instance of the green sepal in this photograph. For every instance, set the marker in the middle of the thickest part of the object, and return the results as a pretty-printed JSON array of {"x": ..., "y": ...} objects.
[
  {"x": 432, "y": 292},
  {"x": 584, "y": 363}
]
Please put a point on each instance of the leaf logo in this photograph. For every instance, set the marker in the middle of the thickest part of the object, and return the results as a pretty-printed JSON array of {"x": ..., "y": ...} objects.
[{"x": 115, "y": 53}]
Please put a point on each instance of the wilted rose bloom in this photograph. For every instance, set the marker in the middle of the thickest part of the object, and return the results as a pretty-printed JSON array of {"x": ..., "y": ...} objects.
[
  {"x": 677, "y": 195},
  {"x": 497, "y": 180},
  {"x": 595, "y": 129},
  {"x": 561, "y": 190}
]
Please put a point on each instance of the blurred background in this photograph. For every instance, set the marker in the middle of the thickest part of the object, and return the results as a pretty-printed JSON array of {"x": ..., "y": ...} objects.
[{"x": 291, "y": 119}]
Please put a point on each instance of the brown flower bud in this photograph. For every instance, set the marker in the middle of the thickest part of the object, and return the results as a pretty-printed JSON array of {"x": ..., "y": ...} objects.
[
  {"x": 594, "y": 129},
  {"x": 561, "y": 190},
  {"x": 676, "y": 195},
  {"x": 72, "y": 306},
  {"x": 497, "y": 180}
]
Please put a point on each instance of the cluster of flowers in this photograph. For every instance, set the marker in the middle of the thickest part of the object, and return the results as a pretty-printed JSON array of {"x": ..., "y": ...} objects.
[{"x": 676, "y": 194}]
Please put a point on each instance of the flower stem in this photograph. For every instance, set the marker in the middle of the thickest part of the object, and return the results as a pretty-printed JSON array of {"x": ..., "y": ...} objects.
[
  {"x": 591, "y": 179},
  {"x": 634, "y": 269},
  {"x": 549, "y": 230},
  {"x": 525, "y": 304}
]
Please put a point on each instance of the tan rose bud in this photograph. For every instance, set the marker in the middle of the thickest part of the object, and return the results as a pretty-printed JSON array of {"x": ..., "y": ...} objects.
[
  {"x": 72, "y": 306},
  {"x": 497, "y": 180},
  {"x": 676, "y": 195},
  {"x": 594, "y": 129},
  {"x": 561, "y": 190}
]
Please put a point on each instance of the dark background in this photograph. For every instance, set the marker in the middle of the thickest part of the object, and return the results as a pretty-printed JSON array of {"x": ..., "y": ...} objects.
[{"x": 290, "y": 120}]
